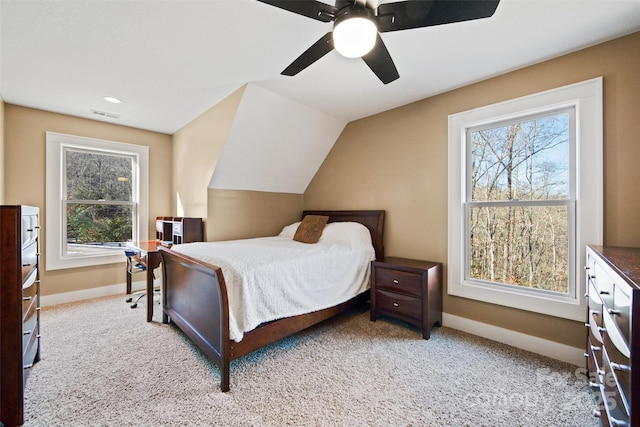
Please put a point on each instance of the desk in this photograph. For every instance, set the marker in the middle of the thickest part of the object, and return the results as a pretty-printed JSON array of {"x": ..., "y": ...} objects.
[{"x": 150, "y": 247}]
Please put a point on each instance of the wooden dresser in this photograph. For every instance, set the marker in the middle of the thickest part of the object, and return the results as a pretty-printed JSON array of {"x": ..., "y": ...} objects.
[
  {"x": 19, "y": 307},
  {"x": 613, "y": 324},
  {"x": 409, "y": 290}
]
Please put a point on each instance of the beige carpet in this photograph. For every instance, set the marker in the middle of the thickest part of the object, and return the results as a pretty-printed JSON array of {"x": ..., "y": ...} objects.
[{"x": 103, "y": 365}]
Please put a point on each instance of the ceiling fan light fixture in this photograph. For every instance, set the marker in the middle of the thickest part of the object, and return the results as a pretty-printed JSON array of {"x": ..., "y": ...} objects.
[{"x": 354, "y": 33}]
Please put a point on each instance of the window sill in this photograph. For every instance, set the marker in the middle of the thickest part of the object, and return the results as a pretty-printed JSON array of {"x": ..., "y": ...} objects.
[
  {"x": 565, "y": 307},
  {"x": 84, "y": 261}
]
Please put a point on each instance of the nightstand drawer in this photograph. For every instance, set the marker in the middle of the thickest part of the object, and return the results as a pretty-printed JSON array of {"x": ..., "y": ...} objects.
[
  {"x": 398, "y": 281},
  {"x": 399, "y": 304}
]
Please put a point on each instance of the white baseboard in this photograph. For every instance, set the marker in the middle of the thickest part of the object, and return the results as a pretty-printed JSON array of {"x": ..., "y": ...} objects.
[
  {"x": 562, "y": 352},
  {"x": 103, "y": 291}
]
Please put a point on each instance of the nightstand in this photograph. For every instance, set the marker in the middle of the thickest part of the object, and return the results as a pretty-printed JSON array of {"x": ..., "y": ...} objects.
[{"x": 409, "y": 290}]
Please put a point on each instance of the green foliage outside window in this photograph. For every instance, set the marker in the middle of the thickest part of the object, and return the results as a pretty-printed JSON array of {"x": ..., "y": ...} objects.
[{"x": 99, "y": 195}]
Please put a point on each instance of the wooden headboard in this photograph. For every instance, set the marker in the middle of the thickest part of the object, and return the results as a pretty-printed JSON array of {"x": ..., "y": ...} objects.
[{"x": 373, "y": 220}]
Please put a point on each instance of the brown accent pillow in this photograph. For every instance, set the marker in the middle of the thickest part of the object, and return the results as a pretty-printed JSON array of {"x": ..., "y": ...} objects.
[{"x": 310, "y": 228}]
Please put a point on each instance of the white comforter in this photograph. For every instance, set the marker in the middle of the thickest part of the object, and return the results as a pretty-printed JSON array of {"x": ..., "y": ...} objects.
[{"x": 269, "y": 278}]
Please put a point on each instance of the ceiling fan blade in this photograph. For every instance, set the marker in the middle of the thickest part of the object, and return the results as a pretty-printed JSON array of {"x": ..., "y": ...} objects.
[
  {"x": 309, "y": 8},
  {"x": 409, "y": 14},
  {"x": 311, "y": 55},
  {"x": 381, "y": 63}
]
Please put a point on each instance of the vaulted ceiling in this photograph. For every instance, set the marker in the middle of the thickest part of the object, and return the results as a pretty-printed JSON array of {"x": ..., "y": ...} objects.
[{"x": 169, "y": 61}]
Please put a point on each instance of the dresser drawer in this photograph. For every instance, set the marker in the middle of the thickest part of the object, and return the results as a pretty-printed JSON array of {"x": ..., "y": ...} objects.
[
  {"x": 29, "y": 291},
  {"x": 29, "y": 328},
  {"x": 399, "y": 305},
  {"x": 29, "y": 259},
  {"x": 616, "y": 403},
  {"x": 614, "y": 336},
  {"x": 594, "y": 359},
  {"x": 619, "y": 364},
  {"x": 29, "y": 229},
  {"x": 29, "y": 356},
  {"x": 398, "y": 281},
  {"x": 594, "y": 312},
  {"x": 621, "y": 310},
  {"x": 604, "y": 285}
]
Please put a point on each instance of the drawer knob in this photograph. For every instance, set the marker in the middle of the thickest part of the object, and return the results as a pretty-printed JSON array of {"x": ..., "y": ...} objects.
[
  {"x": 26, "y": 298},
  {"x": 618, "y": 423},
  {"x": 395, "y": 281},
  {"x": 614, "y": 312},
  {"x": 596, "y": 413},
  {"x": 601, "y": 329},
  {"x": 594, "y": 348},
  {"x": 395, "y": 304},
  {"x": 605, "y": 293},
  {"x": 594, "y": 385},
  {"x": 621, "y": 368}
]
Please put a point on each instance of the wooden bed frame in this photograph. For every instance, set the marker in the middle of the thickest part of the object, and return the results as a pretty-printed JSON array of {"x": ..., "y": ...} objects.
[{"x": 194, "y": 297}]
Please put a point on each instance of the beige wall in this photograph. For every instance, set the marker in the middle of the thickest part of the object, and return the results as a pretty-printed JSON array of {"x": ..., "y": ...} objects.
[
  {"x": 196, "y": 149},
  {"x": 24, "y": 172},
  {"x": 244, "y": 214},
  {"x": 228, "y": 214},
  {"x": 397, "y": 161}
]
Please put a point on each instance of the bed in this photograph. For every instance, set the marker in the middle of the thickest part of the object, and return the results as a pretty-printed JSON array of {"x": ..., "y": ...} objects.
[{"x": 195, "y": 298}]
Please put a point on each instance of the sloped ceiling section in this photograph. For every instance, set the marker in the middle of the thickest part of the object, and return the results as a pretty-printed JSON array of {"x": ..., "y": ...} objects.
[{"x": 275, "y": 144}]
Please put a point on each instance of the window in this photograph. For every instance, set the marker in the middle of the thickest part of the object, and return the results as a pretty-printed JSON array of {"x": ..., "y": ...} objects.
[
  {"x": 96, "y": 200},
  {"x": 525, "y": 197},
  {"x": 520, "y": 202}
]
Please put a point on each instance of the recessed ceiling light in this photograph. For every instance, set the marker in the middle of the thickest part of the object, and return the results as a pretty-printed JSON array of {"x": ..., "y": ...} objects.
[{"x": 112, "y": 99}]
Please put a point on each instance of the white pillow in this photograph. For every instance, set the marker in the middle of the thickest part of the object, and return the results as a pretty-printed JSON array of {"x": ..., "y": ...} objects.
[
  {"x": 350, "y": 234},
  {"x": 289, "y": 230}
]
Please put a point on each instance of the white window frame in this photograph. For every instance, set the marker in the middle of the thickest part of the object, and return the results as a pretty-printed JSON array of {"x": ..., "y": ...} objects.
[
  {"x": 56, "y": 143},
  {"x": 586, "y": 98}
]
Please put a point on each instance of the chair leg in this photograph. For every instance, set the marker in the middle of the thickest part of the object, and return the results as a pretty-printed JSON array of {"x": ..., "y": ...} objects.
[{"x": 135, "y": 304}]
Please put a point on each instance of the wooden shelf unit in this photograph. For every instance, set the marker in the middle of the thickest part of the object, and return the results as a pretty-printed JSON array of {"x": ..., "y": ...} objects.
[{"x": 179, "y": 230}]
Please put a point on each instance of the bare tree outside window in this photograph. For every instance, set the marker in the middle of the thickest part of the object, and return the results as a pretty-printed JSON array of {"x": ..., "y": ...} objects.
[{"x": 518, "y": 203}]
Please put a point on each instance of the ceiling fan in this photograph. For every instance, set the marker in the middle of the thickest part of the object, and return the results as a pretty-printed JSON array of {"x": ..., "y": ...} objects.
[{"x": 356, "y": 27}]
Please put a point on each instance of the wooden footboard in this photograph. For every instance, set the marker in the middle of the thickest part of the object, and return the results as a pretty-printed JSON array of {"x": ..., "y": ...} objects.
[{"x": 194, "y": 297}]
